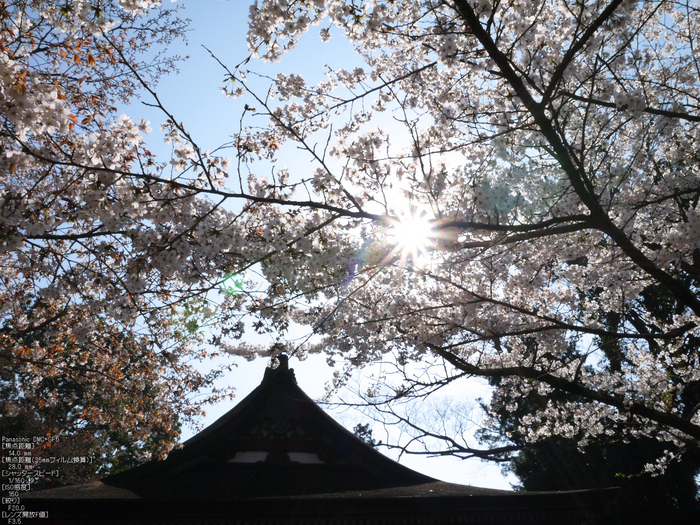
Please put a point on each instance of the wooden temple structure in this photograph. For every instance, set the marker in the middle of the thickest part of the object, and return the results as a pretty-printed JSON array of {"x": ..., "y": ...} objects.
[{"x": 277, "y": 459}]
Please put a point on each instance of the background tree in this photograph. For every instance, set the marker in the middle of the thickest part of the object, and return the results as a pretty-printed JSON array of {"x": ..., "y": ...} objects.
[
  {"x": 558, "y": 463},
  {"x": 92, "y": 349}
]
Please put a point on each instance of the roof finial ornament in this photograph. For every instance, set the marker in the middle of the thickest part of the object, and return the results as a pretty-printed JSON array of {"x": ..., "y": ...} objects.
[
  {"x": 282, "y": 362},
  {"x": 279, "y": 364}
]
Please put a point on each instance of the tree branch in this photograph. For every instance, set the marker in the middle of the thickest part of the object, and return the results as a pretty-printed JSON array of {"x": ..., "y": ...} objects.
[{"x": 576, "y": 388}]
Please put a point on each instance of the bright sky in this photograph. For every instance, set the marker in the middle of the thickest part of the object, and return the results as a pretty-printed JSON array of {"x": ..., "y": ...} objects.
[{"x": 194, "y": 97}]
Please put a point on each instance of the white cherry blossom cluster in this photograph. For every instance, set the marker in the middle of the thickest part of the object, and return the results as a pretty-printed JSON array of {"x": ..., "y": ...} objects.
[{"x": 560, "y": 174}]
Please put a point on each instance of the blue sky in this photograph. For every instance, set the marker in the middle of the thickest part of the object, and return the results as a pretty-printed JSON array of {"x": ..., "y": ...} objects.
[{"x": 194, "y": 97}]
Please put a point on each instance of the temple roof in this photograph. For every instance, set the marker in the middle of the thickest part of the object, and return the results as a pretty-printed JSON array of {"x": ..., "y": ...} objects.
[{"x": 277, "y": 450}]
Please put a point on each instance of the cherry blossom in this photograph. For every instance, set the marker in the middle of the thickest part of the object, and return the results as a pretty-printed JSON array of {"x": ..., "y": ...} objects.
[
  {"x": 553, "y": 148},
  {"x": 98, "y": 312}
]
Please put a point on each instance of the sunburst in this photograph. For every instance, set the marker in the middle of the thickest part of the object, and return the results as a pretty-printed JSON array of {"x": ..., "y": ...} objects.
[{"x": 413, "y": 237}]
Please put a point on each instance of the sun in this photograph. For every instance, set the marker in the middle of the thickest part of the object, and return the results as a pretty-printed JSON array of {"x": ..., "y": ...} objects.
[{"x": 412, "y": 237}]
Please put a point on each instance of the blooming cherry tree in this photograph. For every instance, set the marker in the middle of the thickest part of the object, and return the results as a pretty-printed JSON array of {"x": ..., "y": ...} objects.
[
  {"x": 551, "y": 146},
  {"x": 96, "y": 308}
]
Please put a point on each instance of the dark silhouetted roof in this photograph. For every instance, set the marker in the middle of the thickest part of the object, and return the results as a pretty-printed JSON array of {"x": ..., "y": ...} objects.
[{"x": 276, "y": 457}]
